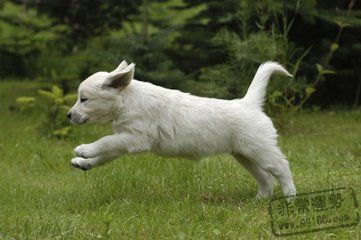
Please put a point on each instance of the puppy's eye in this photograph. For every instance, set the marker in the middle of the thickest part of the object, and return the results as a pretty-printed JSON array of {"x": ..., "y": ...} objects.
[{"x": 83, "y": 100}]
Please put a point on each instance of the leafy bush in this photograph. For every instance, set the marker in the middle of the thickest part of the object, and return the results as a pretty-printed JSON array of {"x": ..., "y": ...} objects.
[
  {"x": 24, "y": 35},
  {"x": 65, "y": 71},
  {"x": 105, "y": 52},
  {"x": 211, "y": 48},
  {"x": 247, "y": 48},
  {"x": 54, "y": 104}
]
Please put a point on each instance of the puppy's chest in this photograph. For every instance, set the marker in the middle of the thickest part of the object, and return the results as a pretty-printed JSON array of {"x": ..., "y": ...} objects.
[{"x": 131, "y": 123}]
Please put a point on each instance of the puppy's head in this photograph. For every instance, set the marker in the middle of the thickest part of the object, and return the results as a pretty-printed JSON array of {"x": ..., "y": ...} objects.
[{"x": 98, "y": 95}]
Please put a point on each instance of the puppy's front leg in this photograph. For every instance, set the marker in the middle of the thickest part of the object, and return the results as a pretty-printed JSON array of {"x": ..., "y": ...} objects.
[
  {"x": 88, "y": 163},
  {"x": 112, "y": 144}
]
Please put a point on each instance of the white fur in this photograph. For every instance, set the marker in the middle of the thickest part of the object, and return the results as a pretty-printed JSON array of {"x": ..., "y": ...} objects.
[{"x": 169, "y": 122}]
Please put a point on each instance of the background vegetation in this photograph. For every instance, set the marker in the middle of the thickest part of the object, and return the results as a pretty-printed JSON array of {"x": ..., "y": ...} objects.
[{"x": 209, "y": 48}]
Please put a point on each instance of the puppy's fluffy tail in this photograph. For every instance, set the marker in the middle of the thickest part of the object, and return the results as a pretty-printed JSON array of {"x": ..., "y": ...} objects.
[{"x": 256, "y": 92}]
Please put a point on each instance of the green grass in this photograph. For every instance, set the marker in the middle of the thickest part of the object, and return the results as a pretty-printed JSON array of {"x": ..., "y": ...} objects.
[{"x": 149, "y": 197}]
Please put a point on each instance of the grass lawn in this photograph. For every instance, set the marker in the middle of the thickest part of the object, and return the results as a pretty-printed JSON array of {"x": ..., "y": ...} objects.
[{"x": 149, "y": 197}]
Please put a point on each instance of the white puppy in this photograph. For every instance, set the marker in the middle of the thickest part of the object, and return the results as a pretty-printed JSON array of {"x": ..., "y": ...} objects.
[{"x": 169, "y": 122}]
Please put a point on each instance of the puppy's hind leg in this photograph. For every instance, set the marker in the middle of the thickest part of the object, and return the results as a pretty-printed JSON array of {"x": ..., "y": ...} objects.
[
  {"x": 271, "y": 159},
  {"x": 264, "y": 179}
]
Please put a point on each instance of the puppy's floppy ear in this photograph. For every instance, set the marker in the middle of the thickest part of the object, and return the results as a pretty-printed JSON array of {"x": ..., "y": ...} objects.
[
  {"x": 120, "y": 79},
  {"x": 121, "y": 66}
]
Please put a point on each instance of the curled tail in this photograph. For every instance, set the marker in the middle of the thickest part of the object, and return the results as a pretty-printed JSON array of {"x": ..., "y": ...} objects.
[{"x": 256, "y": 92}]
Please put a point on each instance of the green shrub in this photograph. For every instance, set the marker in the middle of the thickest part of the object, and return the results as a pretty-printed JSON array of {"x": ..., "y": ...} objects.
[
  {"x": 24, "y": 36},
  {"x": 55, "y": 105},
  {"x": 247, "y": 48},
  {"x": 105, "y": 52},
  {"x": 64, "y": 71}
]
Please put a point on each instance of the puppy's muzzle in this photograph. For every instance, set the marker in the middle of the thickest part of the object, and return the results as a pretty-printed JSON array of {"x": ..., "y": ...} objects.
[{"x": 76, "y": 118}]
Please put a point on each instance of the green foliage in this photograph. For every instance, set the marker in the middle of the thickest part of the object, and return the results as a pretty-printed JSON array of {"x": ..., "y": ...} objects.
[
  {"x": 65, "y": 71},
  {"x": 26, "y": 103},
  {"x": 24, "y": 35},
  {"x": 146, "y": 39},
  {"x": 246, "y": 48},
  {"x": 23, "y": 31},
  {"x": 239, "y": 35},
  {"x": 104, "y": 52},
  {"x": 35, "y": 45},
  {"x": 210, "y": 48},
  {"x": 54, "y": 105},
  {"x": 107, "y": 51}
]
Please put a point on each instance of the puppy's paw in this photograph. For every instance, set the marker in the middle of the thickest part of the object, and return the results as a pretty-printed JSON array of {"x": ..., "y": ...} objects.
[
  {"x": 81, "y": 163},
  {"x": 85, "y": 151}
]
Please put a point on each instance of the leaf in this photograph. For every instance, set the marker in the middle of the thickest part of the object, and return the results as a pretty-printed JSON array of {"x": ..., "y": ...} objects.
[
  {"x": 323, "y": 71},
  {"x": 299, "y": 60},
  {"x": 59, "y": 101},
  {"x": 25, "y": 100},
  {"x": 310, "y": 90},
  {"x": 334, "y": 47},
  {"x": 343, "y": 18},
  {"x": 63, "y": 132},
  {"x": 70, "y": 99},
  {"x": 274, "y": 95},
  {"x": 58, "y": 92},
  {"x": 46, "y": 94},
  {"x": 65, "y": 108}
]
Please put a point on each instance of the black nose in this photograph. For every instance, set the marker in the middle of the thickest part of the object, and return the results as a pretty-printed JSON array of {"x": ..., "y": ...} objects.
[{"x": 69, "y": 115}]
